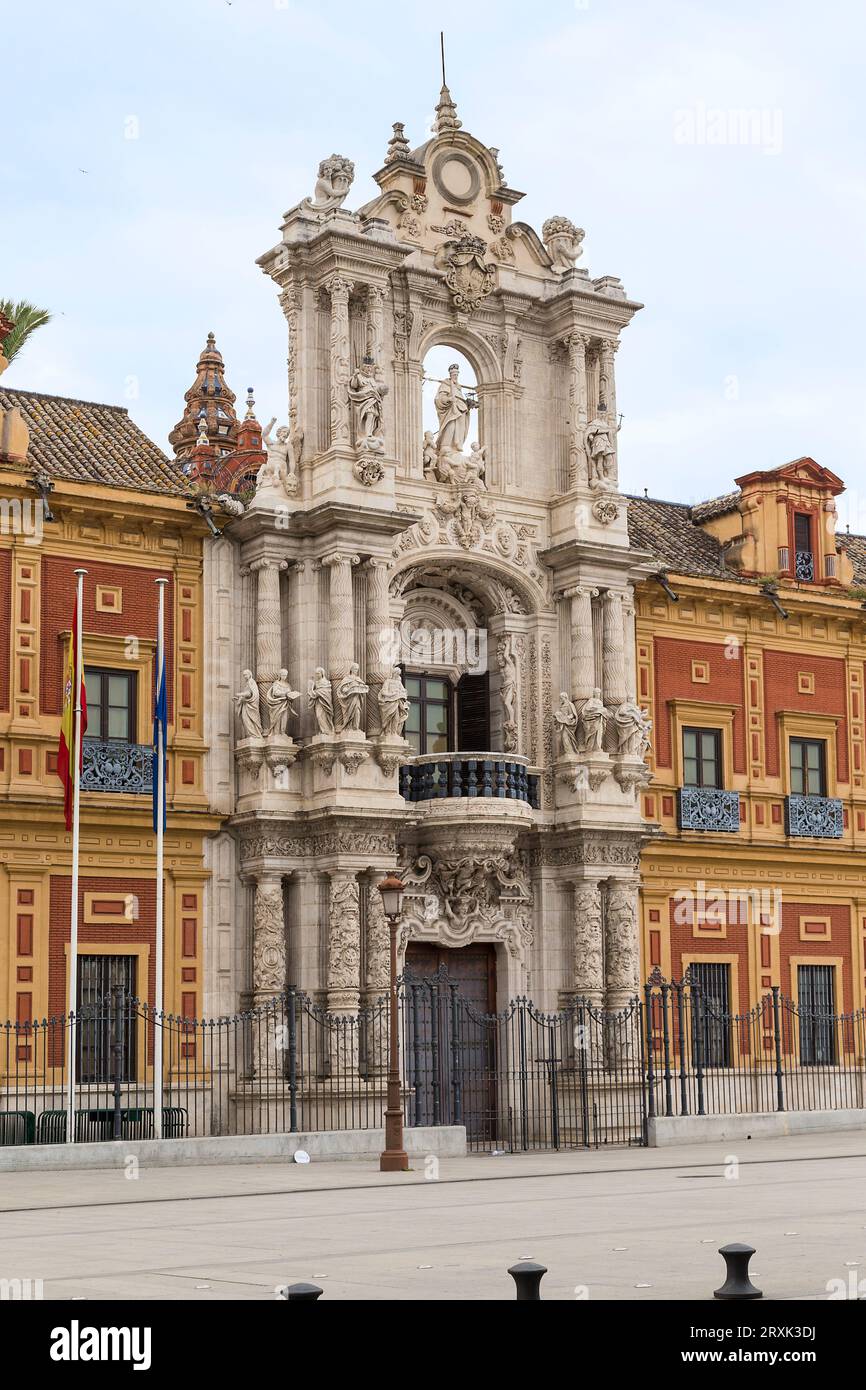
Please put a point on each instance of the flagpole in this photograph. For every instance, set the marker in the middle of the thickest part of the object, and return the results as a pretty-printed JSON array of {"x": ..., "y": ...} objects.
[
  {"x": 78, "y": 678},
  {"x": 160, "y": 821}
]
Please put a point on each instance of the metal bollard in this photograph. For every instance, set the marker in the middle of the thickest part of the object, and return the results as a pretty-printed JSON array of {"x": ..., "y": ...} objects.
[
  {"x": 528, "y": 1276},
  {"x": 737, "y": 1283},
  {"x": 303, "y": 1293}
]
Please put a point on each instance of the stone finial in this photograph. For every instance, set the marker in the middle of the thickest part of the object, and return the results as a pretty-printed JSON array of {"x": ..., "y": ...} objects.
[
  {"x": 446, "y": 113},
  {"x": 251, "y": 405},
  {"x": 398, "y": 145}
]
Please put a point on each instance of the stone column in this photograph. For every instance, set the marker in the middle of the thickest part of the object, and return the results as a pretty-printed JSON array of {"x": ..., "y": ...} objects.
[
  {"x": 290, "y": 304},
  {"x": 582, "y": 645},
  {"x": 374, "y": 332},
  {"x": 269, "y": 938},
  {"x": 269, "y": 979},
  {"x": 381, "y": 651},
  {"x": 344, "y": 974},
  {"x": 576, "y": 344},
  {"x": 269, "y": 637},
  {"x": 588, "y": 942},
  {"x": 344, "y": 943},
  {"x": 377, "y": 974},
  {"x": 339, "y": 289},
  {"x": 622, "y": 952},
  {"x": 341, "y": 615},
  {"x": 628, "y": 632},
  {"x": 607, "y": 392},
  {"x": 613, "y": 650}
]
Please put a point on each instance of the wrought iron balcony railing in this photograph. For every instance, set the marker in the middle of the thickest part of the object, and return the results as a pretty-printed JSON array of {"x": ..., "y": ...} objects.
[
  {"x": 804, "y": 565},
  {"x": 709, "y": 808},
  {"x": 818, "y": 816},
  {"x": 109, "y": 765},
  {"x": 507, "y": 778}
]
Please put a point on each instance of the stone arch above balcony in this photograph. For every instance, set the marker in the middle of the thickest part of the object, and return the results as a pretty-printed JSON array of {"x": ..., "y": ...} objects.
[
  {"x": 499, "y": 565},
  {"x": 470, "y": 342}
]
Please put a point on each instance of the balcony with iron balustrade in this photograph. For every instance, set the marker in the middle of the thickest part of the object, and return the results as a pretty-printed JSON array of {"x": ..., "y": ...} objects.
[
  {"x": 708, "y": 808},
  {"x": 488, "y": 777},
  {"x": 816, "y": 817},
  {"x": 110, "y": 765}
]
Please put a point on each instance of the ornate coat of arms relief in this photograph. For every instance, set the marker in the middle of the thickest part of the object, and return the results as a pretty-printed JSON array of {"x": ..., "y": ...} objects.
[{"x": 469, "y": 277}]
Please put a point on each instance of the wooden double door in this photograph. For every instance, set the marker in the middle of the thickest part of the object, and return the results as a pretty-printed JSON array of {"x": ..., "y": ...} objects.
[{"x": 450, "y": 1038}]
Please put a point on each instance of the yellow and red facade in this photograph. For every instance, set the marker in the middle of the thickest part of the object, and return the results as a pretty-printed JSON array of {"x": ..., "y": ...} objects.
[{"x": 737, "y": 654}]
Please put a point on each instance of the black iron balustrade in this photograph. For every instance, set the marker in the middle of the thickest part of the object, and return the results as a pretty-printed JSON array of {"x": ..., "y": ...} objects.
[
  {"x": 804, "y": 565},
  {"x": 708, "y": 808},
  {"x": 469, "y": 775},
  {"x": 817, "y": 816},
  {"x": 109, "y": 765}
]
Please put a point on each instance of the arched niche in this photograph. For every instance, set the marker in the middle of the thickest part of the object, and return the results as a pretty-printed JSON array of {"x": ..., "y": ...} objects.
[{"x": 479, "y": 376}]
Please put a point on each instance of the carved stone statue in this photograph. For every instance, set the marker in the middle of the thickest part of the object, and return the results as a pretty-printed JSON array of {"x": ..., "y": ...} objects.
[
  {"x": 350, "y": 694},
  {"x": 566, "y": 718},
  {"x": 601, "y": 453},
  {"x": 368, "y": 394},
  {"x": 632, "y": 729},
  {"x": 508, "y": 693},
  {"x": 278, "y": 699},
  {"x": 332, "y": 186},
  {"x": 431, "y": 456},
  {"x": 278, "y": 472},
  {"x": 563, "y": 242},
  {"x": 593, "y": 721},
  {"x": 320, "y": 701},
  {"x": 476, "y": 464},
  {"x": 248, "y": 706},
  {"x": 453, "y": 412},
  {"x": 393, "y": 705}
]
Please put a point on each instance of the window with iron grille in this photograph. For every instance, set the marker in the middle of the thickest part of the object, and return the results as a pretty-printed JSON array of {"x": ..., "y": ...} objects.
[
  {"x": 804, "y": 558},
  {"x": 98, "y": 978},
  {"x": 817, "y": 1004},
  {"x": 702, "y": 757},
  {"x": 711, "y": 1013},
  {"x": 808, "y": 767}
]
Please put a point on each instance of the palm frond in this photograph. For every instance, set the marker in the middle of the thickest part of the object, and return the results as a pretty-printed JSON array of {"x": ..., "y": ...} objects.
[{"x": 27, "y": 318}]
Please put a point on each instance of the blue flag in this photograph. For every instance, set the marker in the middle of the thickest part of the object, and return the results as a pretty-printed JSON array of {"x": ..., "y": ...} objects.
[{"x": 160, "y": 721}]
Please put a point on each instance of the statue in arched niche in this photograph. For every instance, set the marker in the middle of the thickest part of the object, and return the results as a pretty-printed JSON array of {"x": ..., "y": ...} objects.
[{"x": 453, "y": 410}]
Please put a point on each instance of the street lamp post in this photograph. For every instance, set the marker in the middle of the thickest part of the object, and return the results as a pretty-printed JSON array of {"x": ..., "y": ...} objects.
[{"x": 393, "y": 1158}]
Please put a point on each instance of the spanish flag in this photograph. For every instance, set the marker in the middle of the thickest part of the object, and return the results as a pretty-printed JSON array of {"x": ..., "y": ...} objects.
[{"x": 66, "y": 770}]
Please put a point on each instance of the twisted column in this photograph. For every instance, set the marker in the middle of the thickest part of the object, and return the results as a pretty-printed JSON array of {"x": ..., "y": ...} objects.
[
  {"x": 339, "y": 289},
  {"x": 613, "y": 650},
  {"x": 582, "y": 642},
  {"x": 341, "y": 614}
]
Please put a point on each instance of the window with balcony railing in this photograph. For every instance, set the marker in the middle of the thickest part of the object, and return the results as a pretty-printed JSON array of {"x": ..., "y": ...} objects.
[
  {"x": 704, "y": 804},
  {"x": 111, "y": 761}
]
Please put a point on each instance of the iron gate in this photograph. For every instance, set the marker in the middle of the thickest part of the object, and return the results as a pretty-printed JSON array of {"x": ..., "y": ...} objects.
[{"x": 522, "y": 1079}]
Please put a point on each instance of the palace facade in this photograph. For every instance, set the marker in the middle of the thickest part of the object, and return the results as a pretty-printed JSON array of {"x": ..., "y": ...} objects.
[
  {"x": 419, "y": 615},
  {"x": 80, "y": 485},
  {"x": 751, "y": 655}
]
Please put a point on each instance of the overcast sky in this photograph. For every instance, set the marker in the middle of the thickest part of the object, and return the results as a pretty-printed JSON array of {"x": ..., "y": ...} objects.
[{"x": 713, "y": 151}]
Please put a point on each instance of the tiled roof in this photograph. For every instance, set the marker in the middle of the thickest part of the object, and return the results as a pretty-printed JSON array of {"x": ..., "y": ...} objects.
[
  {"x": 85, "y": 442},
  {"x": 856, "y": 547},
  {"x": 667, "y": 531},
  {"x": 716, "y": 506},
  {"x": 670, "y": 532}
]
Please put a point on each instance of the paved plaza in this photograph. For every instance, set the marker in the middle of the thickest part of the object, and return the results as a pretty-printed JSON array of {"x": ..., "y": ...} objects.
[{"x": 615, "y": 1224}]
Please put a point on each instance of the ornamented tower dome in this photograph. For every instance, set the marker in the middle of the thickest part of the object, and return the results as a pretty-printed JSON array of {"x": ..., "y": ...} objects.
[{"x": 210, "y": 398}]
